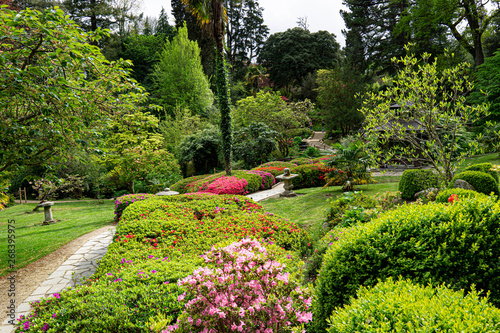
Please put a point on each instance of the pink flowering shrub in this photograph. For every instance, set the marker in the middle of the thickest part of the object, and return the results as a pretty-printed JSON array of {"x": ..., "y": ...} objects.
[
  {"x": 267, "y": 179},
  {"x": 246, "y": 291},
  {"x": 227, "y": 185},
  {"x": 125, "y": 200}
]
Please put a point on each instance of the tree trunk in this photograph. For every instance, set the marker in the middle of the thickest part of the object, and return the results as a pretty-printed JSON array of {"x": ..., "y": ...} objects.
[{"x": 221, "y": 84}]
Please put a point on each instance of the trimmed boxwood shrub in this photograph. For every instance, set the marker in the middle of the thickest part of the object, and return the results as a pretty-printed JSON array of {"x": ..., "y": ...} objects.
[
  {"x": 278, "y": 164},
  {"x": 483, "y": 182},
  {"x": 484, "y": 167},
  {"x": 461, "y": 193},
  {"x": 413, "y": 181},
  {"x": 268, "y": 179},
  {"x": 455, "y": 244},
  {"x": 125, "y": 200},
  {"x": 403, "y": 306},
  {"x": 309, "y": 175}
]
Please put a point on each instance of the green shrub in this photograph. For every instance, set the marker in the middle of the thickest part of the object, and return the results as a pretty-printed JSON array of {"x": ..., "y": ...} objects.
[
  {"x": 125, "y": 200},
  {"x": 461, "y": 193},
  {"x": 406, "y": 307},
  {"x": 484, "y": 167},
  {"x": 337, "y": 213},
  {"x": 481, "y": 181},
  {"x": 413, "y": 181},
  {"x": 302, "y": 161},
  {"x": 200, "y": 183},
  {"x": 183, "y": 185},
  {"x": 309, "y": 175},
  {"x": 254, "y": 181},
  {"x": 455, "y": 244},
  {"x": 278, "y": 164},
  {"x": 312, "y": 152}
]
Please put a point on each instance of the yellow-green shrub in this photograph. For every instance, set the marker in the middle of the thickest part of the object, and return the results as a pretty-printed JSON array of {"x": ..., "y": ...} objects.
[
  {"x": 413, "y": 181},
  {"x": 461, "y": 193},
  {"x": 403, "y": 306},
  {"x": 481, "y": 181},
  {"x": 456, "y": 244}
]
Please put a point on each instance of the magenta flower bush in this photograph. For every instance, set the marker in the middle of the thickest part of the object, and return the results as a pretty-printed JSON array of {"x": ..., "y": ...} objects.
[
  {"x": 246, "y": 291},
  {"x": 125, "y": 200},
  {"x": 227, "y": 185},
  {"x": 267, "y": 178}
]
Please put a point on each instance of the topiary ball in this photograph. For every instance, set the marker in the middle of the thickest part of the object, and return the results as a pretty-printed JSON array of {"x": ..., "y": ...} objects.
[
  {"x": 483, "y": 182},
  {"x": 413, "y": 181},
  {"x": 484, "y": 167}
]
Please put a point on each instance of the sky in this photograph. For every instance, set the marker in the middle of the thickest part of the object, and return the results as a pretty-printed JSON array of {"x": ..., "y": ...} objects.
[{"x": 280, "y": 15}]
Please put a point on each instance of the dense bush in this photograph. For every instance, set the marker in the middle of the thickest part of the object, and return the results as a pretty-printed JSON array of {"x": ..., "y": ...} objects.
[
  {"x": 253, "y": 182},
  {"x": 413, "y": 181},
  {"x": 403, "y": 306},
  {"x": 278, "y": 164},
  {"x": 455, "y": 244},
  {"x": 159, "y": 241},
  {"x": 309, "y": 175},
  {"x": 302, "y": 161},
  {"x": 125, "y": 200},
  {"x": 484, "y": 167},
  {"x": 444, "y": 195},
  {"x": 273, "y": 170},
  {"x": 350, "y": 208},
  {"x": 481, "y": 181},
  {"x": 312, "y": 152},
  {"x": 203, "y": 149},
  {"x": 184, "y": 185},
  {"x": 254, "y": 144},
  {"x": 267, "y": 179}
]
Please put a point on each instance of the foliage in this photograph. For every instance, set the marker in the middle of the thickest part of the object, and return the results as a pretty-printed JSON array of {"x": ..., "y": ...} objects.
[
  {"x": 349, "y": 164},
  {"x": 339, "y": 95},
  {"x": 413, "y": 181},
  {"x": 227, "y": 185},
  {"x": 433, "y": 105},
  {"x": 251, "y": 292},
  {"x": 48, "y": 187},
  {"x": 178, "y": 77},
  {"x": 312, "y": 152},
  {"x": 271, "y": 110},
  {"x": 484, "y": 167},
  {"x": 309, "y": 175},
  {"x": 125, "y": 200},
  {"x": 289, "y": 56},
  {"x": 243, "y": 182},
  {"x": 267, "y": 179},
  {"x": 183, "y": 185},
  {"x": 426, "y": 309},
  {"x": 225, "y": 110},
  {"x": 453, "y": 244},
  {"x": 302, "y": 161},
  {"x": 349, "y": 208},
  {"x": 202, "y": 148},
  {"x": 481, "y": 181},
  {"x": 460, "y": 193},
  {"x": 48, "y": 105},
  {"x": 253, "y": 144}
]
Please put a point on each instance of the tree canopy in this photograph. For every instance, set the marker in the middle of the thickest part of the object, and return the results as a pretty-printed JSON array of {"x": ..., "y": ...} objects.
[
  {"x": 56, "y": 89},
  {"x": 289, "y": 56}
]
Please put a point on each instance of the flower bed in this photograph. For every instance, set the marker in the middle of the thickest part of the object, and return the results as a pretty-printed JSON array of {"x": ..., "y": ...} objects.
[
  {"x": 125, "y": 200},
  {"x": 159, "y": 242}
]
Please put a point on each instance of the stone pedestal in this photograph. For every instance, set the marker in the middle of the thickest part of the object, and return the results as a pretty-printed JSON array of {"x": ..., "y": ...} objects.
[
  {"x": 287, "y": 177},
  {"x": 47, "y": 209}
]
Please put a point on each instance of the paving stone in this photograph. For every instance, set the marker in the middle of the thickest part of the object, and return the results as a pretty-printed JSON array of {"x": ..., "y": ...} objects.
[
  {"x": 42, "y": 290},
  {"x": 57, "y": 274},
  {"x": 23, "y": 308},
  {"x": 7, "y": 329},
  {"x": 57, "y": 288},
  {"x": 50, "y": 282}
]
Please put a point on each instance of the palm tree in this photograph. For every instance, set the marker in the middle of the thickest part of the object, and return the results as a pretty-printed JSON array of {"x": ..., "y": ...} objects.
[{"x": 211, "y": 14}]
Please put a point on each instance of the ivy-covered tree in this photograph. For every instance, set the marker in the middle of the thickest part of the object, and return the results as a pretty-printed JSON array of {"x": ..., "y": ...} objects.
[
  {"x": 488, "y": 86},
  {"x": 178, "y": 78},
  {"x": 56, "y": 90},
  {"x": 433, "y": 112},
  {"x": 289, "y": 56}
]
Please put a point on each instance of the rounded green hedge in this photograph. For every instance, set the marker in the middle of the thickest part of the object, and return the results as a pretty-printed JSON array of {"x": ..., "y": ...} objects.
[
  {"x": 456, "y": 244},
  {"x": 483, "y": 182},
  {"x": 413, "y": 181},
  {"x": 403, "y": 306},
  {"x": 461, "y": 193},
  {"x": 309, "y": 175},
  {"x": 484, "y": 167}
]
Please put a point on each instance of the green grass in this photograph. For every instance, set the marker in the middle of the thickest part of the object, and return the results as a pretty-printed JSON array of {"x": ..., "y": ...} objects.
[
  {"x": 33, "y": 241},
  {"x": 308, "y": 209},
  {"x": 487, "y": 158}
]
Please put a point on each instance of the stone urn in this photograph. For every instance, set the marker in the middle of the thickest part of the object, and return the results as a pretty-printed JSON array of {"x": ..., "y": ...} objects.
[
  {"x": 287, "y": 178},
  {"x": 167, "y": 191}
]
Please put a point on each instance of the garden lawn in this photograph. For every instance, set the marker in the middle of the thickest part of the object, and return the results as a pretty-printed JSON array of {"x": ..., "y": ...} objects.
[
  {"x": 33, "y": 241},
  {"x": 309, "y": 208},
  {"x": 487, "y": 158}
]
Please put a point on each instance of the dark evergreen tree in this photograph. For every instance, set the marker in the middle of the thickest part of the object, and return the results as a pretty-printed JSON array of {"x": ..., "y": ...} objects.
[
  {"x": 163, "y": 27},
  {"x": 289, "y": 56},
  {"x": 90, "y": 14}
]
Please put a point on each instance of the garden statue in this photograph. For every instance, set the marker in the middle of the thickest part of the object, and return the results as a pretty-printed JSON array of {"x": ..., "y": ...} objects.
[
  {"x": 167, "y": 191},
  {"x": 287, "y": 178}
]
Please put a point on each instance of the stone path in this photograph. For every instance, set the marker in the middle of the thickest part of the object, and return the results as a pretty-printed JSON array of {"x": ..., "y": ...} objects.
[
  {"x": 82, "y": 263},
  {"x": 316, "y": 141},
  {"x": 267, "y": 194}
]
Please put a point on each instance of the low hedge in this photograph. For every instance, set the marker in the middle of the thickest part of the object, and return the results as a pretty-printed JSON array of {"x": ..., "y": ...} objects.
[
  {"x": 278, "y": 164},
  {"x": 159, "y": 241},
  {"x": 403, "y": 306},
  {"x": 202, "y": 183},
  {"x": 484, "y": 167},
  {"x": 413, "y": 181},
  {"x": 444, "y": 195},
  {"x": 302, "y": 161},
  {"x": 125, "y": 200},
  {"x": 481, "y": 181},
  {"x": 268, "y": 179},
  {"x": 184, "y": 185},
  {"x": 455, "y": 244}
]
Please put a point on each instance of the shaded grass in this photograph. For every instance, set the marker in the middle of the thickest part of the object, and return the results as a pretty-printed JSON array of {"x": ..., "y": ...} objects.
[
  {"x": 33, "y": 241},
  {"x": 492, "y": 158},
  {"x": 309, "y": 208}
]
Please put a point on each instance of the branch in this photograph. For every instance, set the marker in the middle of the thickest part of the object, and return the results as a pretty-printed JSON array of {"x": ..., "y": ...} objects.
[{"x": 32, "y": 54}]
